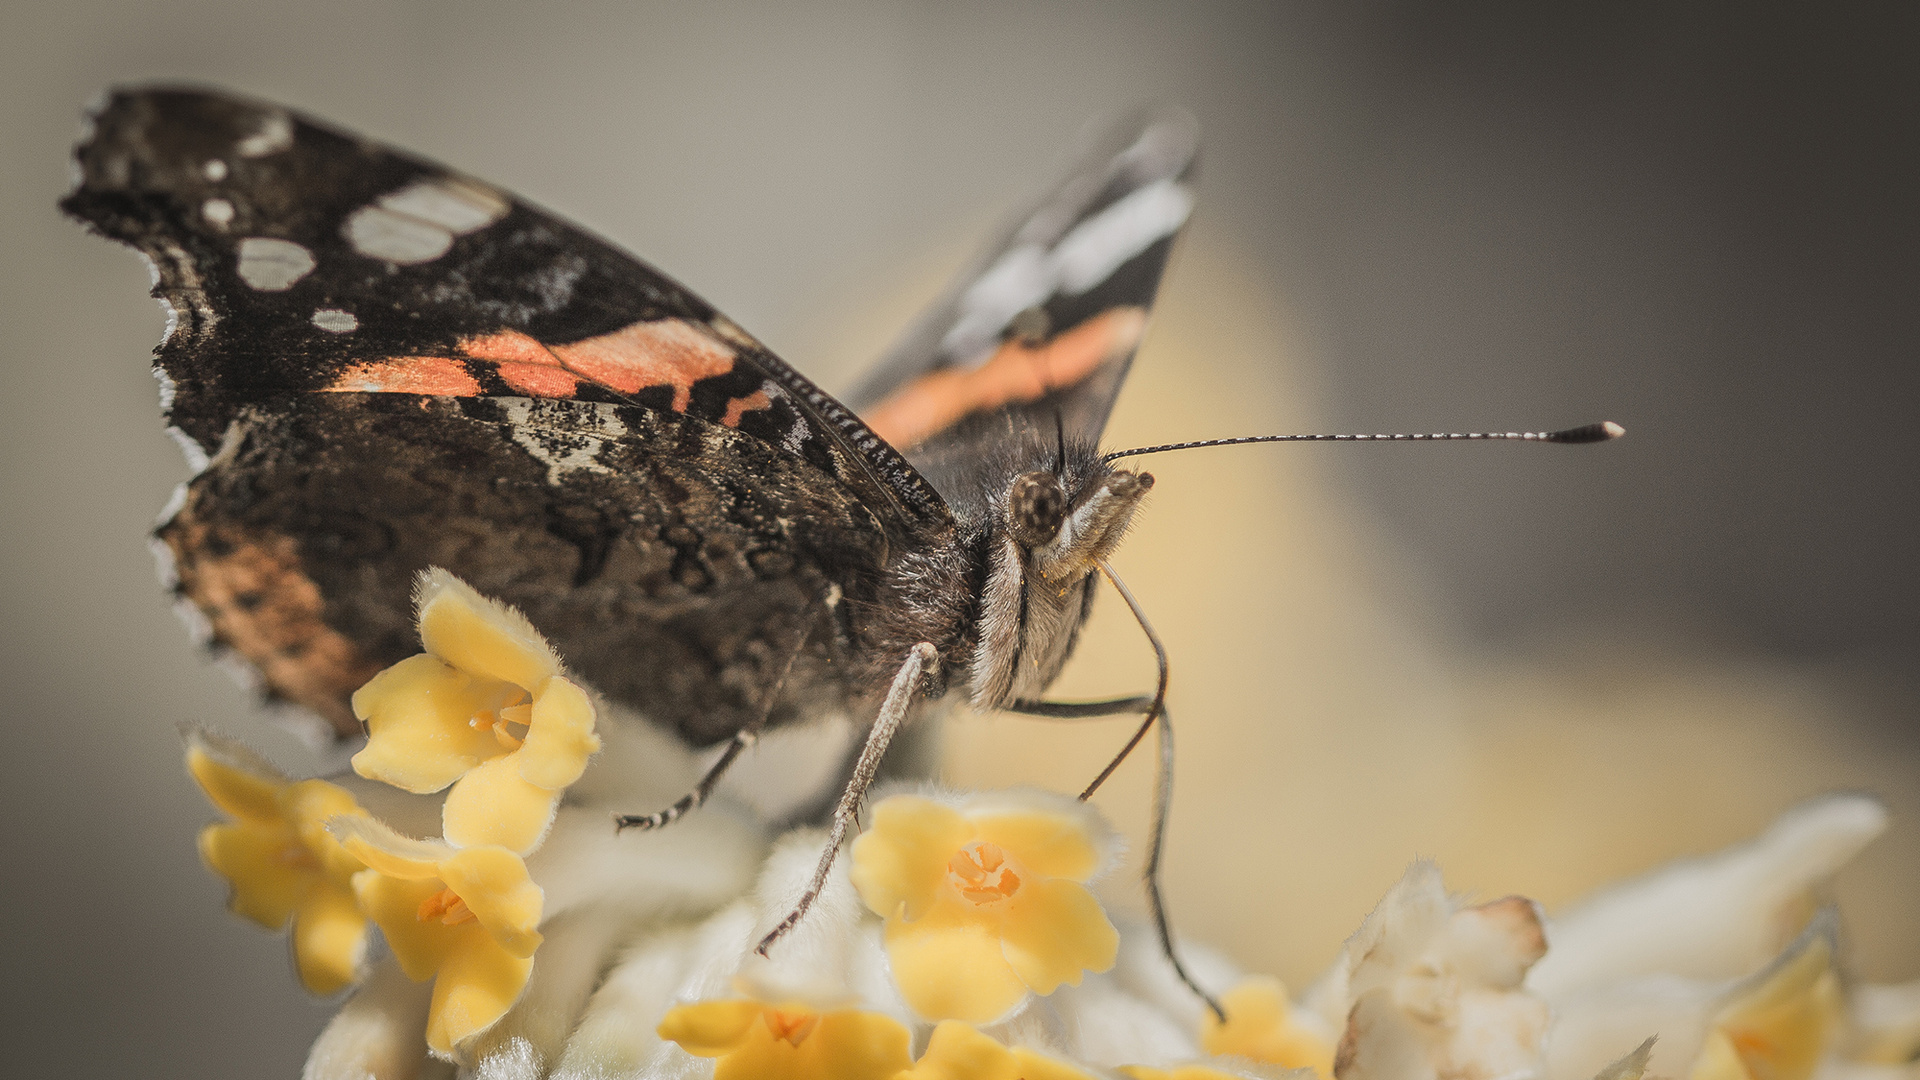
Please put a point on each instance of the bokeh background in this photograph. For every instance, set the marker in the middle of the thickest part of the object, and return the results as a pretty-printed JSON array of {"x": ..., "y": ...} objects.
[{"x": 1547, "y": 667}]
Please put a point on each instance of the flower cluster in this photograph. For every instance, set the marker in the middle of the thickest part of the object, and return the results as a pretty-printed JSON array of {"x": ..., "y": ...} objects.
[
  {"x": 486, "y": 711},
  {"x": 961, "y": 937}
]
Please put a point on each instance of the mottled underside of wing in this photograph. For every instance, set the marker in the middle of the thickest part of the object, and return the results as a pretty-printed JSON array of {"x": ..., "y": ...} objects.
[
  {"x": 1045, "y": 325},
  {"x": 675, "y": 564}
]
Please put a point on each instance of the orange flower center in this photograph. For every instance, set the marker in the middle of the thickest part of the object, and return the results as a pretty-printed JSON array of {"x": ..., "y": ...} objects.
[
  {"x": 296, "y": 856},
  {"x": 982, "y": 873},
  {"x": 509, "y": 725},
  {"x": 447, "y": 907},
  {"x": 793, "y": 1025}
]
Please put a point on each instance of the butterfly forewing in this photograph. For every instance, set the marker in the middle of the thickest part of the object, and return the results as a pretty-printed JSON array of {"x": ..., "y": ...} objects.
[{"x": 389, "y": 365}]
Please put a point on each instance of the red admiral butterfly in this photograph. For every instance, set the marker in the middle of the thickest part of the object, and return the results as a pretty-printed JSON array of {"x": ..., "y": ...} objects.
[{"x": 379, "y": 365}]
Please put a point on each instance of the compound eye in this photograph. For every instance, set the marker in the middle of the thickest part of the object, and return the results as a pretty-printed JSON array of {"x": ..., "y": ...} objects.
[{"x": 1035, "y": 508}]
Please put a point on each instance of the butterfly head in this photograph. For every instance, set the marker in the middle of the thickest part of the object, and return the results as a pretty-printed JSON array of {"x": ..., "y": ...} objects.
[
  {"x": 1063, "y": 532},
  {"x": 1048, "y": 526}
]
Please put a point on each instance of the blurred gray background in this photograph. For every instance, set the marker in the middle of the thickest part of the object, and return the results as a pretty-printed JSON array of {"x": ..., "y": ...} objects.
[{"x": 1700, "y": 222}]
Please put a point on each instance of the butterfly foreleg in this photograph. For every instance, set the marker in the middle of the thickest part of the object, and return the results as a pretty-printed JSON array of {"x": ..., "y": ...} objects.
[
  {"x": 921, "y": 660},
  {"x": 741, "y": 740}
]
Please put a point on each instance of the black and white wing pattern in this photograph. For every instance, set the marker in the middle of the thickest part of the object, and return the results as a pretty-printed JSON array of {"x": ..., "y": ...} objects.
[{"x": 1040, "y": 331}]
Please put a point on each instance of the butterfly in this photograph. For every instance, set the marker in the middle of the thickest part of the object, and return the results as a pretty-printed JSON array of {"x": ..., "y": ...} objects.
[{"x": 376, "y": 365}]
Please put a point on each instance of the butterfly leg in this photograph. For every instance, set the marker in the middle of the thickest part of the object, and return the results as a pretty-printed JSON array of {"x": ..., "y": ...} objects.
[
  {"x": 893, "y": 713},
  {"x": 692, "y": 800},
  {"x": 742, "y": 739},
  {"x": 1155, "y": 709}
]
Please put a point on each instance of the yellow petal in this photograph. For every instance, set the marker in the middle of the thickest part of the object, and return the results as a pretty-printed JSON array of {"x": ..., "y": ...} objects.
[
  {"x": 329, "y": 939},
  {"x": 709, "y": 1028},
  {"x": 420, "y": 732},
  {"x": 1053, "y": 931},
  {"x": 493, "y": 806},
  {"x": 245, "y": 788},
  {"x": 375, "y": 843},
  {"x": 1259, "y": 1027},
  {"x": 958, "y": 1052},
  {"x": 1718, "y": 1060},
  {"x": 268, "y": 868},
  {"x": 481, "y": 636},
  {"x": 560, "y": 738},
  {"x": 494, "y": 884},
  {"x": 902, "y": 858},
  {"x": 856, "y": 1045},
  {"x": 310, "y": 804},
  {"x": 1778, "y": 1027},
  {"x": 478, "y": 983},
  {"x": 1049, "y": 845},
  {"x": 420, "y": 945},
  {"x": 762, "y": 1056},
  {"x": 951, "y": 967},
  {"x": 1033, "y": 1065}
]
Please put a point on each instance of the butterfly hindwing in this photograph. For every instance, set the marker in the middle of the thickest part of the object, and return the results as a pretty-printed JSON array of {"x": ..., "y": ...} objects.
[{"x": 1040, "y": 331}]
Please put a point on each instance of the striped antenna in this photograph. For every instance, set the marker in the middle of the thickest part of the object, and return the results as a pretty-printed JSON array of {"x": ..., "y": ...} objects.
[{"x": 1585, "y": 433}]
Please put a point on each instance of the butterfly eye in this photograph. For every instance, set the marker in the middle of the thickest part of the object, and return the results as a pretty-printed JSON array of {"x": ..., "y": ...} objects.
[{"x": 1035, "y": 508}]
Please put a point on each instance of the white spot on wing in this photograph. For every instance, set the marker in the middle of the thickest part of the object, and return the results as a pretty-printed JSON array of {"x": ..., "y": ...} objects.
[
  {"x": 1104, "y": 242},
  {"x": 273, "y": 265},
  {"x": 218, "y": 211},
  {"x": 215, "y": 170},
  {"x": 454, "y": 204},
  {"x": 1027, "y": 275},
  {"x": 274, "y": 134},
  {"x": 382, "y": 234},
  {"x": 417, "y": 223},
  {"x": 336, "y": 321}
]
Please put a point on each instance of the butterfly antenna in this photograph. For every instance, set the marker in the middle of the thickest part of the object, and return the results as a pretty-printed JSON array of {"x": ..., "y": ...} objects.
[
  {"x": 1060, "y": 442},
  {"x": 1162, "y": 792},
  {"x": 1585, "y": 433}
]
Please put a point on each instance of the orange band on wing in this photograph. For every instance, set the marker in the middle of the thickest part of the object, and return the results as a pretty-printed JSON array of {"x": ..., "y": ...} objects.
[
  {"x": 665, "y": 352},
  {"x": 740, "y": 406},
  {"x": 540, "y": 380},
  {"x": 1016, "y": 372},
  {"x": 508, "y": 347},
  {"x": 435, "y": 376}
]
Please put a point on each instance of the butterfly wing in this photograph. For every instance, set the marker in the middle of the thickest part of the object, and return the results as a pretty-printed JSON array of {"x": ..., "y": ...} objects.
[
  {"x": 386, "y": 365},
  {"x": 1045, "y": 324}
]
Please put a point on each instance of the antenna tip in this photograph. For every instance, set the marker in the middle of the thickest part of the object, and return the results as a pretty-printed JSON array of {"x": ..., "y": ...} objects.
[{"x": 1589, "y": 433}]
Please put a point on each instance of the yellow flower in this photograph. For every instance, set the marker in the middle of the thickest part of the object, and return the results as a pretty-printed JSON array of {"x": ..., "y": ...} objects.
[
  {"x": 757, "y": 1041},
  {"x": 958, "y": 1052},
  {"x": 487, "y": 709},
  {"x": 1260, "y": 1027},
  {"x": 279, "y": 859},
  {"x": 1779, "y": 1025},
  {"x": 463, "y": 917},
  {"x": 983, "y": 905}
]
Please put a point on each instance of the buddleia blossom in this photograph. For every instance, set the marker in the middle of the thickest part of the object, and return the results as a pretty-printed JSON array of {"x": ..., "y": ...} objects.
[
  {"x": 960, "y": 938},
  {"x": 486, "y": 709},
  {"x": 284, "y": 869},
  {"x": 993, "y": 887}
]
